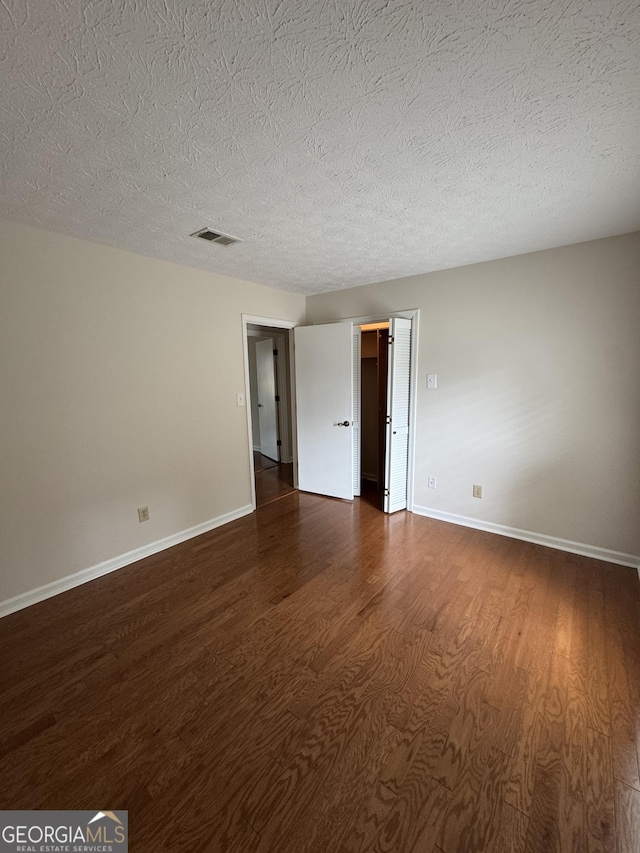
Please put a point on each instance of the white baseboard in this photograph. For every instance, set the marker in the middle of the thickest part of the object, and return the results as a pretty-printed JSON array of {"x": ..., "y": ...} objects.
[
  {"x": 537, "y": 538},
  {"x": 26, "y": 599}
]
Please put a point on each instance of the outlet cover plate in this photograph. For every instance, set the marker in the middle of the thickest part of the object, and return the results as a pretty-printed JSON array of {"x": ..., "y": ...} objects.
[{"x": 143, "y": 513}]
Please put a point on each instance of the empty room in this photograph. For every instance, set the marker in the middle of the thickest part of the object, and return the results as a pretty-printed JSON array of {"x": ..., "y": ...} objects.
[{"x": 320, "y": 426}]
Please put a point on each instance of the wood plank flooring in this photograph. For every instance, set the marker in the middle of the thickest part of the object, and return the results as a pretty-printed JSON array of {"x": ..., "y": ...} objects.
[
  {"x": 273, "y": 480},
  {"x": 321, "y": 677}
]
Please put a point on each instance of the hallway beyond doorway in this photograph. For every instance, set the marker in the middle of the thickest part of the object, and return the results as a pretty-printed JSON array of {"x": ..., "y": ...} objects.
[{"x": 274, "y": 479}]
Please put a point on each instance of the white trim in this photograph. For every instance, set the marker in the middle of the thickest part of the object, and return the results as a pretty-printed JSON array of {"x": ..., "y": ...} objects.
[
  {"x": 294, "y": 407},
  {"x": 381, "y": 317},
  {"x": 252, "y": 320},
  {"x": 537, "y": 538},
  {"x": 33, "y": 596},
  {"x": 413, "y": 378}
]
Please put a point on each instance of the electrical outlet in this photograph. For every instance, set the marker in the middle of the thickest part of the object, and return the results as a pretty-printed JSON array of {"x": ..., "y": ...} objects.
[
  {"x": 477, "y": 491},
  {"x": 143, "y": 513},
  {"x": 431, "y": 482}
]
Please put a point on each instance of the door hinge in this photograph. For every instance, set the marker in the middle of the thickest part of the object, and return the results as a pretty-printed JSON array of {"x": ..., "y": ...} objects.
[
  {"x": 386, "y": 493},
  {"x": 390, "y": 341},
  {"x": 387, "y": 419},
  {"x": 277, "y": 398},
  {"x": 275, "y": 352},
  {"x": 279, "y": 443}
]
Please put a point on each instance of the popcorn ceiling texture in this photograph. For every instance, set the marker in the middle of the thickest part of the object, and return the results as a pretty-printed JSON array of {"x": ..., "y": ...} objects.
[{"x": 344, "y": 142}]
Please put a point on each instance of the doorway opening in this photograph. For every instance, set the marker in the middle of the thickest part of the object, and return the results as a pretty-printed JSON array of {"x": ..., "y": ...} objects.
[
  {"x": 328, "y": 370},
  {"x": 374, "y": 347},
  {"x": 267, "y": 351}
]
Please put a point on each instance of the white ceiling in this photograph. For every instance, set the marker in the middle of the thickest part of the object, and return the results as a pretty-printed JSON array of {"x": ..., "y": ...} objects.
[{"x": 344, "y": 142}]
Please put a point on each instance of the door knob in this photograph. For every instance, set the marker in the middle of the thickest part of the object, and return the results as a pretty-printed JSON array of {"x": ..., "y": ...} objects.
[
  {"x": 343, "y": 423},
  {"x": 259, "y": 405}
]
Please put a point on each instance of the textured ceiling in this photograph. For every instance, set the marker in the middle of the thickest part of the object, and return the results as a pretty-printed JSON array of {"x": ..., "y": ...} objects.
[{"x": 343, "y": 142}]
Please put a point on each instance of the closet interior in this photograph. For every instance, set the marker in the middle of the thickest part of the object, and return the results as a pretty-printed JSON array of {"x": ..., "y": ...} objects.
[{"x": 374, "y": 347}]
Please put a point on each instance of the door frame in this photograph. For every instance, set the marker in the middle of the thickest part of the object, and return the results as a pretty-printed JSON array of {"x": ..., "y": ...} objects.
[
  {"x": 287, "y": 327},
  {"x": 381, "y": 317}
]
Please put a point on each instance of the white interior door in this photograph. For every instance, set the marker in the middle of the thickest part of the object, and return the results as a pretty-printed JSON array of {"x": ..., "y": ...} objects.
[
  {"x": 324, "y": 397},
  {"x": 398, "y": 401},
  {"x": 356, "y": 406},
  {"x": 267, "y": 407}
]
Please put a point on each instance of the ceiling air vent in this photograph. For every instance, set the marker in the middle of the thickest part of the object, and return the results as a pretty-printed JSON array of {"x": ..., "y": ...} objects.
[{"x": 216, "y": 237}]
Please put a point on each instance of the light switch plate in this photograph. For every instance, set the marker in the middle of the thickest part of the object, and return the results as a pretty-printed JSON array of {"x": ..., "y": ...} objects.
[
  {"x": 240, "y": 398},
  {"x": 432, "y": 380}
]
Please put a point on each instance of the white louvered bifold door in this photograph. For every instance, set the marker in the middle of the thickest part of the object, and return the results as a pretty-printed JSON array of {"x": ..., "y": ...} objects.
[
  {"x": 355, "y": 415},
  {"x": 398, "y": 399}
]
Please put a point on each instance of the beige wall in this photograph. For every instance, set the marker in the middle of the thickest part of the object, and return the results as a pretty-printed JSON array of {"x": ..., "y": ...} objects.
[
  {"x": 538, "y": 398},
  {"x": 118, "y": 382},
  {"x": 119, "y": 374}
]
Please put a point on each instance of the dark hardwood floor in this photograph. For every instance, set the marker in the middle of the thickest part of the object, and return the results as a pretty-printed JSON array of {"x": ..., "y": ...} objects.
[
  {"x": 273, "y": 479},
  {"x": 262, "y": 463},
  {"x": 370, "y": 493},
  {"x": 321, "y": 677}
]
